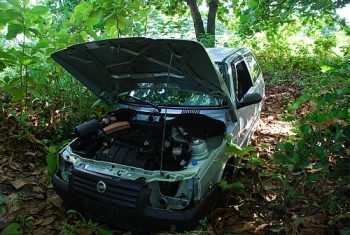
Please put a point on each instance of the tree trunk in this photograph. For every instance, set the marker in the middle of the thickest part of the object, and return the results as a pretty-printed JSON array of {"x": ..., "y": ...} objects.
[
  {"x": 197, "y": 18},
  {"x": 213, "y": 8}
]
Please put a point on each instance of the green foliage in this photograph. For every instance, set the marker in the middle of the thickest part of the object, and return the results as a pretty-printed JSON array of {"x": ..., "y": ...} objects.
[
  {"x": 207, "y": 40},
  {"x": 245, "y": 158},
  {"x": 254, "y": 16},
  {"x": 12, "y": 229},
  {"x": 235, "y": 185},
  {"x": 323, "y": 133},
  {"x": 25, "y": 222},
  {"x": 233, "y": 149},
  {"x": 324, "y": 45},
  {"x": 51, "y": 158},
  {"x": 251, "y": 162},
  {"x": 80, "y": 222},
  {"x": 320, "y": 151},
  {"x": 2, "y": 204}
]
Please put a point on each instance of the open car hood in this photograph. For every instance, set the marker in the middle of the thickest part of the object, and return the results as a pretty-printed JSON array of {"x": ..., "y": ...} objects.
[{"x": 113, "y": 66}]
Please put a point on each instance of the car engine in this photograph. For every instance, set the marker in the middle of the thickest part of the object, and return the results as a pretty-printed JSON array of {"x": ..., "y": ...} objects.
[{"x": 121, "y": 139}]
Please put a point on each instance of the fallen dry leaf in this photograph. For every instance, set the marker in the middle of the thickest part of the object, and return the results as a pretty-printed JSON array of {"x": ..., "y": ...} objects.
[
  {"x": 240, "y": 228},
  {"x": 85, "y": 231},
  {"x": 37, "y": 189},
  {"x": 14, "y": 165},
  {"x": 310, "y": 232},
  {"x": 38, "y": 221},
  {"x": 260, "y": 227},
  {"x": 32, "y": 206},
  {"x": 48, "y": 220},
  {"x": 4, "y": 178},
  {"x": 19, "y": 183},
  {"x": 55, "y": 200},
  {"x": 38, "y": 171}
]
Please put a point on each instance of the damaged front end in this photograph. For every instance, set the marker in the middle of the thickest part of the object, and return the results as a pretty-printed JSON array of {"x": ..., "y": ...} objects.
[{"x": 118, "y": 161}]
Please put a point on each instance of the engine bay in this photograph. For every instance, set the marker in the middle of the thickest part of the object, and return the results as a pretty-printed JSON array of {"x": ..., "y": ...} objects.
[{"x": 121, "y": 137}]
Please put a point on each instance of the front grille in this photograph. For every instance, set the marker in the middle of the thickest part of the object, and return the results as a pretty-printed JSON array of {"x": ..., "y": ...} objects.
[{"x": 119, "y": 193}]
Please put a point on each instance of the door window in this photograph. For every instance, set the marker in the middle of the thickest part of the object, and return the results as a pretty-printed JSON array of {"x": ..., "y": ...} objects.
[
  {"x": 242, "y": 81},
  {"x": 253, "y": 66},
  {"x": 225, "y": 76}
]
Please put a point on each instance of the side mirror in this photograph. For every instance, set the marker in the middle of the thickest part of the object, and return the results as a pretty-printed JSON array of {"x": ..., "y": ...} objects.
[{"x": 249, "y": 99}]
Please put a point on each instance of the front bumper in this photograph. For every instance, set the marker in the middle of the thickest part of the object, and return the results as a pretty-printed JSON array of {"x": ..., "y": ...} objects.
[{"x": 125, "y": 204}]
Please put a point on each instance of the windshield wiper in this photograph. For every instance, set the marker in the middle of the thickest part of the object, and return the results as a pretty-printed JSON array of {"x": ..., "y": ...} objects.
[{"x": 142, "y": 101}]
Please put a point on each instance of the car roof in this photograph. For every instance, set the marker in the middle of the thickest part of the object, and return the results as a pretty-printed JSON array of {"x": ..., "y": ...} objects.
[{"x": 220, "y": 54}]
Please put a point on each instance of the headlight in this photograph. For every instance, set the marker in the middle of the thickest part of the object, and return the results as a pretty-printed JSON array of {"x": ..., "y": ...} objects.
[{"x": 63, "y": 166}]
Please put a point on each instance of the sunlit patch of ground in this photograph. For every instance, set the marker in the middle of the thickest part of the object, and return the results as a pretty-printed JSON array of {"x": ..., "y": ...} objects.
[
  {"x": 275, "y": 128},
  {"x": 272, "y": 128}
]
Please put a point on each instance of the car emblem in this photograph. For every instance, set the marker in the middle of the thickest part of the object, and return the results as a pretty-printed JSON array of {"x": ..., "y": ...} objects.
[{"x": 101, "y": 187}]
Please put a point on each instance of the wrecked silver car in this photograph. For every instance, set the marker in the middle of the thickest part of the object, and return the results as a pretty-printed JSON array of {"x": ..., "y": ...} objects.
[{"x": 156, "y": 161}]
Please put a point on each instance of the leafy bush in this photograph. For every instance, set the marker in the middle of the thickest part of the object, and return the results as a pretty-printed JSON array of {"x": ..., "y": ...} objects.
[{"x": 324, "y": 133}]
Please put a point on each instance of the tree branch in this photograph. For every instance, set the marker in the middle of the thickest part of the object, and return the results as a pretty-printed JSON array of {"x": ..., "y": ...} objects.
[
  {"x": 213, "y": 8},
  {"x": 197, "y": 18}
]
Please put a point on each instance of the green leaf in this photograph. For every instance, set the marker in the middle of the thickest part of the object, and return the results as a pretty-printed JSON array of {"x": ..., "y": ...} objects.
[
  {"x": 96, "y": 103},
  {"x": 52, "y": 149},
  {"x": 51, "y": 158},
  {"x": 81, "y": 11},
  {"x": 39, "y": 10},
  {"x": 83, "y": 35},
  {"x": 10, "y": 15},
  {"x": 82, "y": 7},
  {"x": 236, "y": 185},
  {"x": 34, "y": 31},
  {"x": 3, "y": 5},
  {"x": 103, "y": 231},
  {"x": 12, "y": 229},
  {"x": 236, "y": 150},
  {"x": 15, "y": 3},
  {"x": 72, "y": 19},
  {"x": 113, "y": 32},
  {"x": 245, "y": 18},
  {"x": 13, "y": 30},
  {"x": 18, "y": 94},
  {"x": 253, "y": 4},
  {"x": 325, "y": 68},
  {"x": 2, "y": 66},
  {"x": 92, "y": 21},
  {"x": 277, "y": 229},
  {"x": 91, "y": 32},
  {"x": 2, "y": 23},
  {"x": 110, "y": 23},
  {"x": 26, "y": 61},
  {"x": 43, "y": 43},
  {"x": 122, "y": 24},
  {"x": 2, "y": 200}
]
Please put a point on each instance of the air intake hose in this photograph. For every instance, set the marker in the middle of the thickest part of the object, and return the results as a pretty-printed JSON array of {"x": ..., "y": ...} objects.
[{"x": 87, "y": 128}]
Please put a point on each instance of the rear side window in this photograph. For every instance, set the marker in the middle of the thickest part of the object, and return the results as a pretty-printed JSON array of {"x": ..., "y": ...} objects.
[{"x": 253, "y": 66}]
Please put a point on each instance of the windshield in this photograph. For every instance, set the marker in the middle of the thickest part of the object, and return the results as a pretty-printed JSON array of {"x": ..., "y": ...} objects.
[{"x": 171, "y": 97}]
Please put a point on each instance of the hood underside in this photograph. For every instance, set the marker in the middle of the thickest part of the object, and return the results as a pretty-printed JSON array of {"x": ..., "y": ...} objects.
[{"x": 114, "y": 66}]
